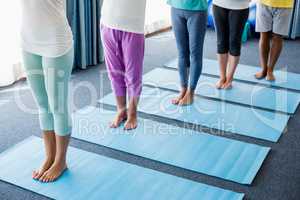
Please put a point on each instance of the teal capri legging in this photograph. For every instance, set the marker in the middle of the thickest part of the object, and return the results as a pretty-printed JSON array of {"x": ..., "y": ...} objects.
[{"x": 49, "y": 82}]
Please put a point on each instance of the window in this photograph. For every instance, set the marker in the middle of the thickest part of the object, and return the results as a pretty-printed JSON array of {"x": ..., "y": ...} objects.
[{"x": 10, "y": 52}]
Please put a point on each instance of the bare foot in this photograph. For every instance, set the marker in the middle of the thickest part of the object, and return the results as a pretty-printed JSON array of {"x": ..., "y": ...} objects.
[
  {"x": 55, "y": 171},
  {"x": 187, "y": 99},
  {"x": 46, "y": 165},
  {"x": 131, "y": 122},
  {"x": 228, "y": 84},
  {"x": 270, "y": 76},
  {"x": 220, "y": 83},
  {"x": 260, "y": 75},
  {"x": 120, "y": 117},
  {"x": 176, "y": 100}
]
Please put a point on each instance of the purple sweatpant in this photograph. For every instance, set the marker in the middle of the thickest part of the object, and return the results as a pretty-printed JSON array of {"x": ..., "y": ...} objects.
[{"x": 124, "y": 57}]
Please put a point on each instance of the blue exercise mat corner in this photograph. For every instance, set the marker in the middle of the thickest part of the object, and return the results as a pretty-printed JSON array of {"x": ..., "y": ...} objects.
[{"x": 91, "y": 176}]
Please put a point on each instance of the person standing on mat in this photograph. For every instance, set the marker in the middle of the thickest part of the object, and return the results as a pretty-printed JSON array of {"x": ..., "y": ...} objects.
[
  {"x": 230, "y": 18},
  {"x": 47, "y": 44},
  {"x": 189, "y": 19},
  {"x": 273, "y": 22},
  {"x": 122, "y": 30}
]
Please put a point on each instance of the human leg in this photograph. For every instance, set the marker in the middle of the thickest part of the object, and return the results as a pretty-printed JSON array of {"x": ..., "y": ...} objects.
[
  {"x": 197, "y": 28},
  {"x": 275, "y": 51},
  {"x": 221, "y": 18},
  {"x": 264, "y": 22},
  {"x": 179, "y": 23},
  {"x": 281, "y": 18},
  {"x": 238, "y": 19},
  {"x": 35, "y": 78},
  {"x": 133, "y": 46},
  {"x": 57, "y": 75},
  {"x": 116, "y": 71}
]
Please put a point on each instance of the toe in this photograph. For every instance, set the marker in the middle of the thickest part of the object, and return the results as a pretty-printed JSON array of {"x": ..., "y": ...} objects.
[
  {"x": 219, "y": 84},
  {"x": 257, "y": 75},
  {"x": 228, "y": 86},
  {"x": 175, "y": 101},
  {"x": 260, "y": 75},
  {"x": 133, "y": 126},
  {"x": 270, "y": 77},
  {"x": 113, "y": 125},
  {"x": 127, "y": 127},
  {"x": 50, "y": 179},
  {"x": 54, "y": 178},
  {"x": 39, "y": 175},
  {"x": 43, "y": 178},
  {"x": 185, "y": 102},
  {"x": 181, "y": 103},
  {"x": 34, "y": 174}
]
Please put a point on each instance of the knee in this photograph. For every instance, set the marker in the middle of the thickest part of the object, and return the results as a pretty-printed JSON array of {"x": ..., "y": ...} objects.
[
  {"x": 133, "y": 80},
  {"x": 117, "y": 78},
  {"x": 223, "y": 47},
  {"x": 134, "y": 85},
  {"x": 43, "y": 105},
  {"x": 184, "y": 59},
  {"x": 116, "y": 73},
  {"x": 265, "y": 37},
  {"x": 196, "y": 59},
  {"x": 184, "y": 54},
  {"x": 277, "y": 38},
  {"x": 235, "y": 48}
]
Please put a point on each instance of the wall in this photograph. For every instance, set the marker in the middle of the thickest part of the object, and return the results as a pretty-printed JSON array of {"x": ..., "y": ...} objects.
[{"x": 10, "y": 51}]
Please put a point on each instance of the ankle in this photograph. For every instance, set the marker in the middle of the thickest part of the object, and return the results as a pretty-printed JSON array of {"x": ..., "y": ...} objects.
[
  {"x": 183, "y": 91},
  {"x": 122, "y": 111},
  {"x": 270, "y": 70},
  {"x": 60, "y": 161},
  {"x": 223, "y": 78},
  {"x": 229, "y": 78},
  {"x": 50, "y": 158},
  {"x": 190, "y": 92},
  {"x": 132, "y": 114}
]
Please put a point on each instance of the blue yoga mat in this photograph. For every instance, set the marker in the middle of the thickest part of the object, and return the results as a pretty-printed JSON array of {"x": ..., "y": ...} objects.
[
  {"x": 284, "y": 79},
  {"x": 219, "y": 115},
  {"x": 243, "y": 93},
  {"x": 200, "y": 152},
  {"x": 91, "y": 176}
]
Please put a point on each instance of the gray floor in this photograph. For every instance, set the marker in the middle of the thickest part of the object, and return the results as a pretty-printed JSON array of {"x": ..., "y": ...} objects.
[{"x": 279, "y": 178}]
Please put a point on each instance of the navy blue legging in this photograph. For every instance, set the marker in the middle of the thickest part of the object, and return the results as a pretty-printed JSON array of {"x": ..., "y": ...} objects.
[{"x": 189, "y": 29}]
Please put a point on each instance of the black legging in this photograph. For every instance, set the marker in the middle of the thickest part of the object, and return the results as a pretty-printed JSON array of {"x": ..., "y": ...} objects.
[{"x": 230, "y": 26}]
